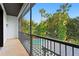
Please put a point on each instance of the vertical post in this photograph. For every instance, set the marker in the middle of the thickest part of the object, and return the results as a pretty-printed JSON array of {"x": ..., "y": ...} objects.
[
  {"x": 40, "y": 47},
  {"x": 30, "y": 30},
  {"x": 54, "y": 48},
  {"x": 60, "y": 48},
  {"x": 50, "y": 47},
  {"x": 45, "y": 49},
  {"x": 72, "y": 51},
  {"x": 47, "y": 44},
  {"x": 65, "y": 50}
]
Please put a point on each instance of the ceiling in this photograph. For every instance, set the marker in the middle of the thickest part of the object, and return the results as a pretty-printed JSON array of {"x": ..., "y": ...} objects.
[{"x": 12, "y": 8}]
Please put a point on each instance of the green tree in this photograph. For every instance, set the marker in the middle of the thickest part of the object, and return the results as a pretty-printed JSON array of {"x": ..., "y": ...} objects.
[
  {"x": 25, "y": 26},
  {"x": 73, "y": 30},
  {"x": 57, "y": 23},
  {"x": 63, "y": 18},
  {"x": 41, "y": 29}
]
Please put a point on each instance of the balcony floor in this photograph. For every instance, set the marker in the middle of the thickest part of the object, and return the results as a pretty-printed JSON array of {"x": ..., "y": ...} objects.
[{"x": 13, "y": 47}]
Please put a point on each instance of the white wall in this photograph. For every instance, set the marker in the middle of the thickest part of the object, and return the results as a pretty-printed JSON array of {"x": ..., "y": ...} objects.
[
  {"x": 12, "y": 28},
  {"x": 4, "y": 26}
]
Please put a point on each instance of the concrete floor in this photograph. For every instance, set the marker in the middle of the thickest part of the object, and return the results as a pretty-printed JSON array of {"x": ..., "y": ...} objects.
[{"x": 13, "y": 47}]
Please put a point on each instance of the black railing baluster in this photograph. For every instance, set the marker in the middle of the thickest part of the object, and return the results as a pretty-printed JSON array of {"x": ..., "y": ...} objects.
[
  {"x": 72, "y": 51},
  {"x": 35, "y": 45},
  {"x": 44, "y": 49},
  {"x": 47, "y": 47},
  {"x": 60, "y": 48},
  {"x": 40, "y": 47},
  {"x": 54, "y": 48},
  {"x": 50, "y": 48},
  {"x": 47, "y": 44},
  {"x": 65, "y": 50}
]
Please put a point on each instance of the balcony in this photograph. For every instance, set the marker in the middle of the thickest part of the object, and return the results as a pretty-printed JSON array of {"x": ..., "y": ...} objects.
[{"x": 41, "y": 29}]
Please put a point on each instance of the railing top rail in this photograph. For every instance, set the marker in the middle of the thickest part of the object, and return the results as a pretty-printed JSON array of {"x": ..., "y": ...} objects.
[{"x": 55, "y": 40}]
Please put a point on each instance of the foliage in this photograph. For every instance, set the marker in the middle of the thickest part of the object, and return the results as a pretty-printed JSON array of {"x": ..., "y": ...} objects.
[
  {"x": 41, "y": 29},
  {"x": 58, "y": 25},
  {"x": 58, "y": 22},
  {"x": 73, "y": 30},
  {"x": 25, "y": 26}
]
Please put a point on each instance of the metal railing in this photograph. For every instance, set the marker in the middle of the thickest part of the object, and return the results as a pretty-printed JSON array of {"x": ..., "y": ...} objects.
[
  {"x": 42, "y": 46},
  {"x": 25, "y": 40},
  {"x": 53, "y": 47}
]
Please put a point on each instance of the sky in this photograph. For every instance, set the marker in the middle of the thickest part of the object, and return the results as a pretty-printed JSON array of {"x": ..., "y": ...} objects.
[{"x": 51, "y": 8}]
